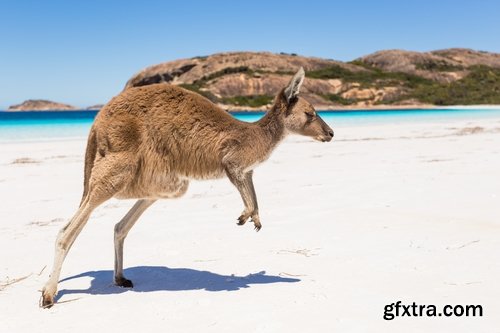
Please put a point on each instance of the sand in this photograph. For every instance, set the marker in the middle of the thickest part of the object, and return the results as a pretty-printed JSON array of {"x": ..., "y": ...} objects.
[{"x": 407, "y": 212}]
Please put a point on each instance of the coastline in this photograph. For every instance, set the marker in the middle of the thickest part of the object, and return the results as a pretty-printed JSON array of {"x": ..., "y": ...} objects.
[{"x": 56, "y": 126}]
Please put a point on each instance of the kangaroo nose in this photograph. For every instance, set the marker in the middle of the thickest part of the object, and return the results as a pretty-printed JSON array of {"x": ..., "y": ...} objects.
[{"x": 330, "y": 132}]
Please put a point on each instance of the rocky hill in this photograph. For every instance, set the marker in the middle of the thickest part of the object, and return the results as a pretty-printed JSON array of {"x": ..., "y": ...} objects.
[
  {"x": 40, "y": 105},
  {"x": 243, "y": 80}
]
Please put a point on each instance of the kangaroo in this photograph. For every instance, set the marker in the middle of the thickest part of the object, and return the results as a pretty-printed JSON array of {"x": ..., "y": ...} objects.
[{"x": 148, "y": 142}]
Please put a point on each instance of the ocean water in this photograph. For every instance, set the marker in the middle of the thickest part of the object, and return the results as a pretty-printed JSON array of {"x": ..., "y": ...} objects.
[{"x": 67, "y": 125}]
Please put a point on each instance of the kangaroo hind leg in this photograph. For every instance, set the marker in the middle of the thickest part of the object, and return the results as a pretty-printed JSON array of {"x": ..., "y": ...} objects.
[
  {"x": 121, "y": 230},
  {"x": 106, "y": 180},
  {"x": 65, "y": 239}
]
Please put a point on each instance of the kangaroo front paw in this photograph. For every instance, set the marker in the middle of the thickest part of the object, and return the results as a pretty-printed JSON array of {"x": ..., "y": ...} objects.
[
  {"x": 243, "y": 219},
  {"x": 255, "y": 219},
  {"x": 256, "y": 222}
]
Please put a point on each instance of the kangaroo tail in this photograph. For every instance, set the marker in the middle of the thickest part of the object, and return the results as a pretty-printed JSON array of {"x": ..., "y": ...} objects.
[{"x": 90, "y": 154}]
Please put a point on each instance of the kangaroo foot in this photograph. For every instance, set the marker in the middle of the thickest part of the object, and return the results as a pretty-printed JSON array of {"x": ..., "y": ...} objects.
[
  {"x": 47, "y": 299},
  {"x": 125, "y": 283}
]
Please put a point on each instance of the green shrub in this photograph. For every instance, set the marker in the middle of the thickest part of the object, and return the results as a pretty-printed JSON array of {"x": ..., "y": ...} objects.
[
  {"x": 438, "y": 66},
  {"x": 339, "y": 99},
  {"x": 374, "y": 77},
  {"x": 197, "y": 89},
  {"x": 226, "y": 71},
  {"x": 251, "y": 101},
  {"x": 480, "y": 86}
]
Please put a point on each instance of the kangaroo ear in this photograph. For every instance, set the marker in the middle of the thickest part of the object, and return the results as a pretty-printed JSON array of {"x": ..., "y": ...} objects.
[{"x": 293, "y": 88}]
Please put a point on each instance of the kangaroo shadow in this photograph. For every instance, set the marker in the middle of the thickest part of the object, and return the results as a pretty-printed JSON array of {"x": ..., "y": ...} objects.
[{"x": 159, "y": 278}]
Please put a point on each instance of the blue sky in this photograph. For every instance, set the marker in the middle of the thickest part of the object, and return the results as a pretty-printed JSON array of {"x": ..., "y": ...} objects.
[{"x": 83, "y": 52}]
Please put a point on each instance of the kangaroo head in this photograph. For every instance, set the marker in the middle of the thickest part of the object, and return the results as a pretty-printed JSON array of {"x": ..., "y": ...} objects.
[{"x": 300, "y": 117}]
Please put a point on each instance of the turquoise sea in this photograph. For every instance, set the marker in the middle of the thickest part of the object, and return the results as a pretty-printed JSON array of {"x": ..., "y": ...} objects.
[{"x": 65, "y": 125}]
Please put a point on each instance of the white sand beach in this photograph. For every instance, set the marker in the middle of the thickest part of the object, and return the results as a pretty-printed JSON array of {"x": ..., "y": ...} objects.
[{"x": 384, "y": 213}]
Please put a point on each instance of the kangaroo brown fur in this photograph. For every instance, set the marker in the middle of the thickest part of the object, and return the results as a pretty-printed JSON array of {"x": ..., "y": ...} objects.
[{"x": 149, "y": 142}]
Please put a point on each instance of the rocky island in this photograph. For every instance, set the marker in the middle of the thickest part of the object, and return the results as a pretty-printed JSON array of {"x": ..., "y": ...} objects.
[{"x": 41, "y": 105}]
